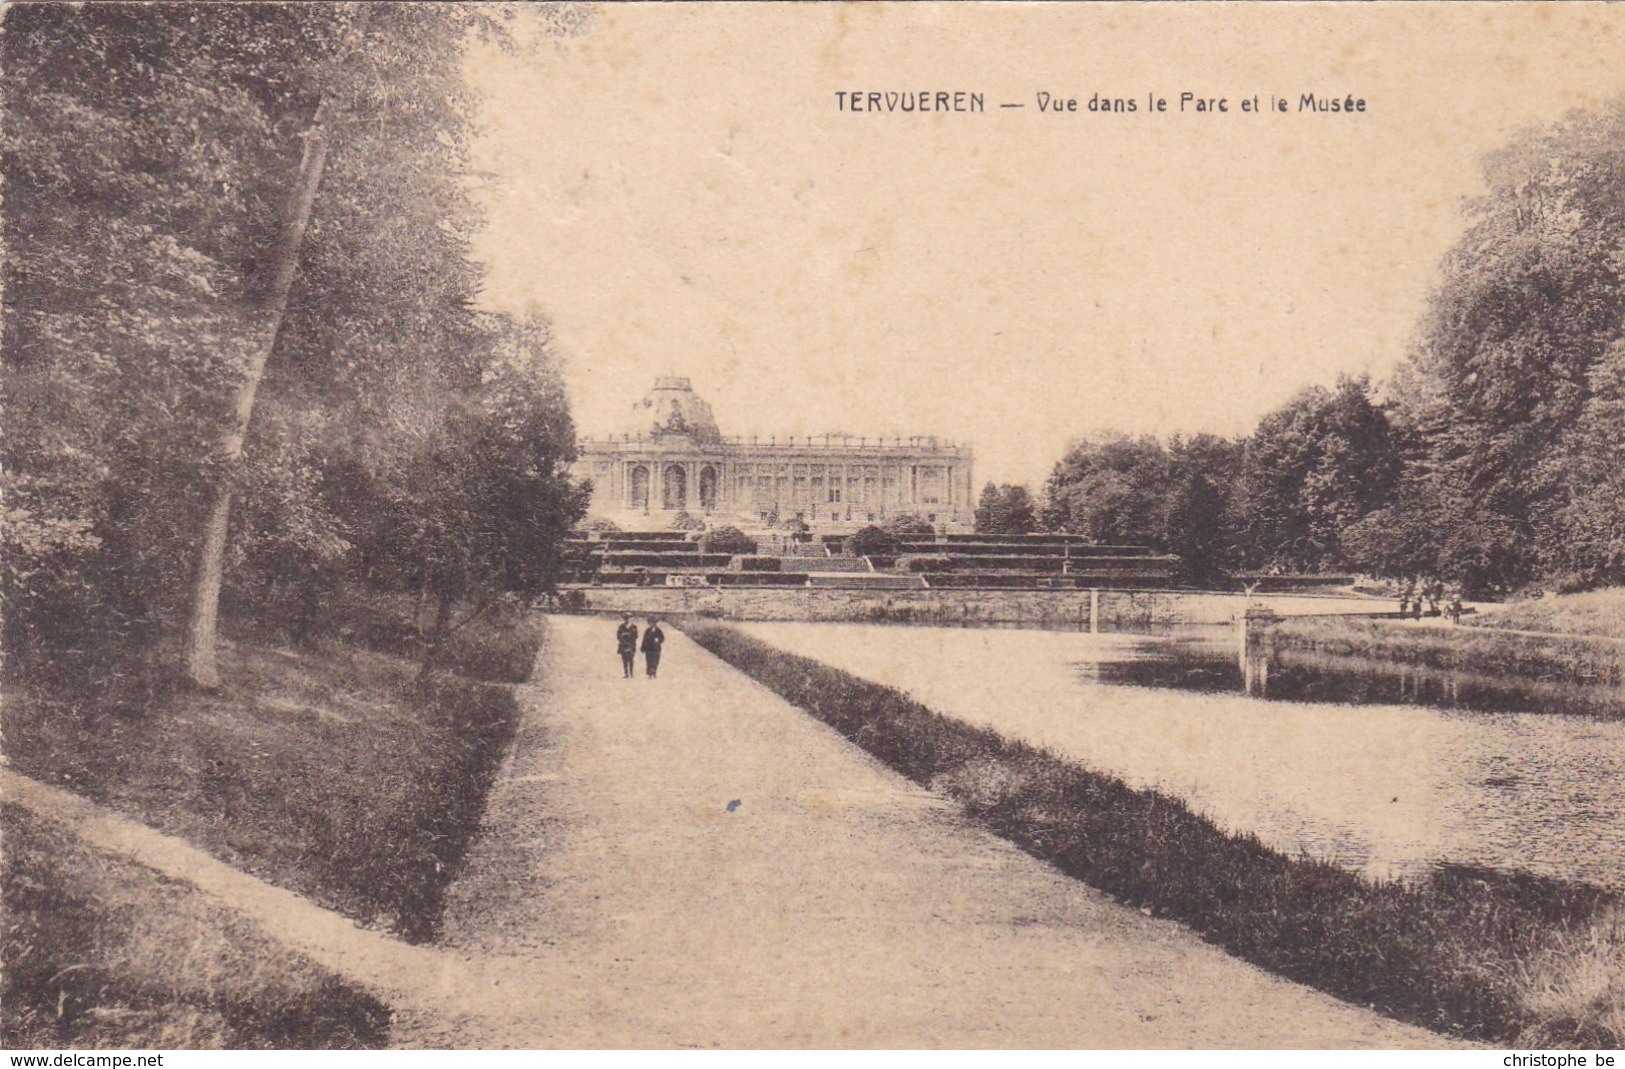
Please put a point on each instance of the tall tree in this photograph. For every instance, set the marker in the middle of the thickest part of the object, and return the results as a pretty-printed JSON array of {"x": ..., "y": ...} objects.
[
  {"x": 122, "y": 297},
  {"x": 1200, "y": 518},
  {"x": 266, "y": 324},
  {"x": 386, "y": 68},
  {"x": 155, "y": 157},
  {"x": 1110, "y": 488},
  {"x": 1589, "y": 518},
  {"x": 1312, "y": 468},
  {"x": 1179, "y": 498},
  {"x": 1531, "y": 301},
  {"x": 1005, "y": 509}
]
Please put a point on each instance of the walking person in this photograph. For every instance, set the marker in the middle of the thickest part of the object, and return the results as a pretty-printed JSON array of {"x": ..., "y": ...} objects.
[
  {"x": 653, "y": 638},
  {"x": 626, "y": 644}
]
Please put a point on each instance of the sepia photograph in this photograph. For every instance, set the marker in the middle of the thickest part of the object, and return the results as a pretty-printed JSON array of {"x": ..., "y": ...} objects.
[{"x": 810, "y": 526}]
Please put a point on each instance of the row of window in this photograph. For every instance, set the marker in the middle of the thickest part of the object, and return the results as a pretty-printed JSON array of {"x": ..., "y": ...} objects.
[
  {"x": 765, "y": 489},
  {"x": 835, "y": 515}
]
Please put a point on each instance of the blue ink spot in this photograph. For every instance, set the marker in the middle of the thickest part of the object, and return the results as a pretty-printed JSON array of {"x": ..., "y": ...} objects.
[{"x": 735, "y": 804}]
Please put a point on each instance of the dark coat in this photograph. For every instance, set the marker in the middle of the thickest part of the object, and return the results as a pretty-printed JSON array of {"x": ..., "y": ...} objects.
[
  {"x": 626, "y": 638},
  {"x": 652, "y": 639}
]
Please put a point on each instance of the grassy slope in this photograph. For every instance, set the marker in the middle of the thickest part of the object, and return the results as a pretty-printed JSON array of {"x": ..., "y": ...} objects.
[
  {"x": 1475, "y": 953},
  {"x": 317, "y": 769},
  {"x": 1595, "y": 612},
  {"x": 101, "y": 952},
  {"x": 321, "y": 767}
]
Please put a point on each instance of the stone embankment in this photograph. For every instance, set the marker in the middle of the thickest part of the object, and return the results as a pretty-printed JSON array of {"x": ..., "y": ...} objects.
[{"x": 1114, "y": 610}]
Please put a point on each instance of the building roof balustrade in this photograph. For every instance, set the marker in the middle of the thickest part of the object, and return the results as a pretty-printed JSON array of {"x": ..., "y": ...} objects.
[{"x": 850, "y": 443}]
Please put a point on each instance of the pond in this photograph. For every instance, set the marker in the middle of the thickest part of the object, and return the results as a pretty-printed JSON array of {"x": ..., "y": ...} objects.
[{"x": 1350, "y": 763}]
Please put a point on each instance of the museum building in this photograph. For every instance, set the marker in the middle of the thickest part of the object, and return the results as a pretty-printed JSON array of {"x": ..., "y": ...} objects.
[{"x": 676, "y": 460}]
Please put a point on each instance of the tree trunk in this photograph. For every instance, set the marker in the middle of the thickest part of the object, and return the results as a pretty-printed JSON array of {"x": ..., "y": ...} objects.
[
  {"x": 438, "y": 634},
  {"x": 420, "y": 611},
  {"x": 201, "y": 632}
]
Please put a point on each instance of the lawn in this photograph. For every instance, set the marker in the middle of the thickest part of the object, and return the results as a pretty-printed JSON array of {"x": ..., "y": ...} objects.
[
  {"x": 327, "y": 767},
  {"x": 1595, "y": 612},
  {"x": 324, "y": 768},
  {"x": 101, "y": 952}
]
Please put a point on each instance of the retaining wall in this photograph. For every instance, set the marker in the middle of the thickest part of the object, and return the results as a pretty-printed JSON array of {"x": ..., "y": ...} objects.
[{"x": 1118, "y": 610}]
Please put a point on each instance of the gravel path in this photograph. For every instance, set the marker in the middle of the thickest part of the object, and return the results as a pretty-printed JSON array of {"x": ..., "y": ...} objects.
[
  {"x": 400, "y": 973},
  {"x": 690, "y": 861}
]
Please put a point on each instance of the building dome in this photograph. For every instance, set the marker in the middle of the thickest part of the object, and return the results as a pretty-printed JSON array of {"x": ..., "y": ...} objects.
[{"x": 673, "y": 409}]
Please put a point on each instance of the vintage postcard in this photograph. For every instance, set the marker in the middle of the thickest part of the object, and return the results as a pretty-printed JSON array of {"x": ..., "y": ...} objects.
[{"x": 828, "y": 525}]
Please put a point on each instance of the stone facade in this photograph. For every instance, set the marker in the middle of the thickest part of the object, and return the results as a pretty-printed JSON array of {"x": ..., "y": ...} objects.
[{"x": 677, "y": 460}]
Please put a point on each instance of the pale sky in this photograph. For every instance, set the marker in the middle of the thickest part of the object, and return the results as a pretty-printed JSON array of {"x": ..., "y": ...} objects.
[{"x": 676, "y": 189}]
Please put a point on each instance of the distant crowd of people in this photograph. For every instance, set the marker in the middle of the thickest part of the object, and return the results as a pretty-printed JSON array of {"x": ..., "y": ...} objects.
[
  {"x": 628, "y": 646},
  {"x": 1435, "y": 593}
]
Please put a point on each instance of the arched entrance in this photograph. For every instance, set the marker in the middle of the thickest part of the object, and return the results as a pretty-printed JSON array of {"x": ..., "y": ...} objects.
[
  {"x": 708, "y": 488},
  {"x": 640, "y": 487},
  {"x": 675, "y": 488}
]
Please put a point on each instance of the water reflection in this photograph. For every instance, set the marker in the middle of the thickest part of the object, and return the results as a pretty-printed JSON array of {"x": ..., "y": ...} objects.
[
  {"x": 1210, "y": 664},
  {"x": 1388, "y": 772}
]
